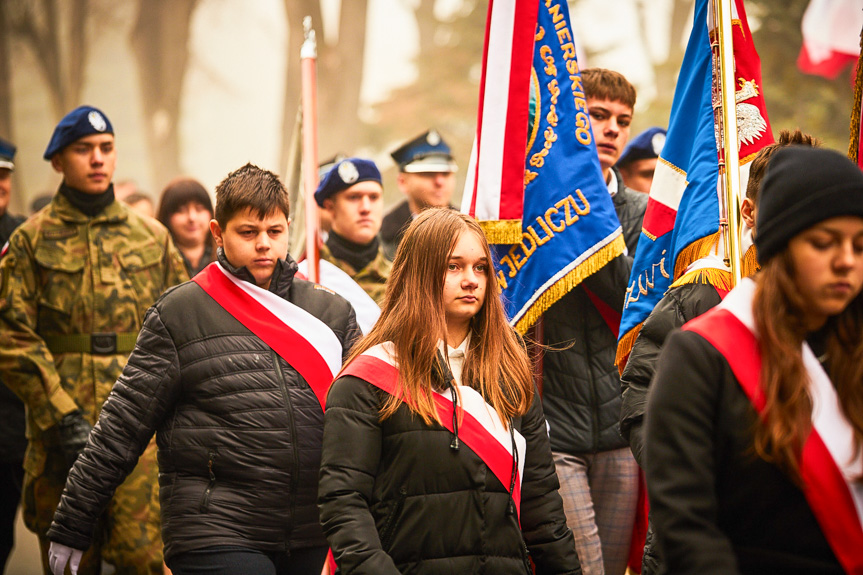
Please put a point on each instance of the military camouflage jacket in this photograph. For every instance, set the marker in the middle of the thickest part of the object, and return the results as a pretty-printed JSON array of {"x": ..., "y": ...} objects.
[
  {"x": 67, "y": 277},
  {"x": 371, "y": 278}
]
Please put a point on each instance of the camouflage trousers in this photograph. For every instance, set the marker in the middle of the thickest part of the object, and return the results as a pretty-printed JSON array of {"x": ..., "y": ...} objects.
[{"x": 128, "y": 534}]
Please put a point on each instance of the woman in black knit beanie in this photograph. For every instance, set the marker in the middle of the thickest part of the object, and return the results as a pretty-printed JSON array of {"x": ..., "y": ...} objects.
[{"x": 754, "y": 426}]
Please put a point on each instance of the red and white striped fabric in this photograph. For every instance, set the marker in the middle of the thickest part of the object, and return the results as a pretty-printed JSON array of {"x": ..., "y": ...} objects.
[
  {"x": 494, "y": 190},
  {"x": 831, "y": 37},
  {"x": 303, "y": 340},
  {"x": 480, "y": 428}
]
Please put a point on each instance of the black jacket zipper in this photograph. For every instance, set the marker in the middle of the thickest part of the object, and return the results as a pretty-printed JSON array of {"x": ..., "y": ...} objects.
[
  {"x": 389, "y": 530},
  {"x": 212, "y": 454}
]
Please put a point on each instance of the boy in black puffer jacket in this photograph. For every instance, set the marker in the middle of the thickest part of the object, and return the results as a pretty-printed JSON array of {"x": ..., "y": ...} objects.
[{"x": 229, "y": 371}]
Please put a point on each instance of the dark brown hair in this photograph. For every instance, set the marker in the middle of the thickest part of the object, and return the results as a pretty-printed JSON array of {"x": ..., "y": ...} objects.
[
  {"x": 178, "y": 193},
  {"x": 759, "y": 163},
  {"x": 254, "y": 188},
  {"x": 787, "y": 419},
  {"x": 602, "y": 84},
  {"x": 412, "y": 319}
]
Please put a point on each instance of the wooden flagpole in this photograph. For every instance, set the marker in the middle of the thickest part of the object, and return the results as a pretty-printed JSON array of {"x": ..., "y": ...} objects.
[
  {"x": 308, "y": 63},
  {"x": 730, "y": 151}
]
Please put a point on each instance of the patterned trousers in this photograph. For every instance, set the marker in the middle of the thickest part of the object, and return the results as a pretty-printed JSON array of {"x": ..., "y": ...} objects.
[{"x": 600, "y": 493}]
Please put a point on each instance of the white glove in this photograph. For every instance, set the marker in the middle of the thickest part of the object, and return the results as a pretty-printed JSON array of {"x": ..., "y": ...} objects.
[{"x": 59, "y": 555}]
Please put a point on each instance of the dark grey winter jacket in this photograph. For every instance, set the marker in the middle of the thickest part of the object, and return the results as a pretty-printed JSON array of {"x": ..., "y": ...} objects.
[{"x": 581, "y": 385}]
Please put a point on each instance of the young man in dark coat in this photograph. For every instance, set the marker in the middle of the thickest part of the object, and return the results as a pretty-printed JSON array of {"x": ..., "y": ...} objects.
[
  {"x": 581, "y": 386},
  {"x": 229, "y": 371}
]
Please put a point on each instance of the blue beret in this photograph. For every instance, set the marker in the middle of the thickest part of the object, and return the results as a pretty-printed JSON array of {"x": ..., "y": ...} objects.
[
  {"x": 80, "y": 122},
  {"x": 7, "y": 155},
  {"x": 425, "y": 153},
  {"x": 345, "y": 174},
  {"x": 646, "y": 145}
]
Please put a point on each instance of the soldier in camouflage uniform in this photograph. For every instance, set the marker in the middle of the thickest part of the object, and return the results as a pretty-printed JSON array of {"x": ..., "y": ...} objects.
[
  {"x": 74, "y": 286},
  {"x": 352, "y": 195}
]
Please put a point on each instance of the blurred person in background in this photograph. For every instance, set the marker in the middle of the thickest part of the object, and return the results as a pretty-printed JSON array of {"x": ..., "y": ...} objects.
[
  {"x": 186, "y": 209},
  {"x": 638, "y": 160},
  {"x": 427, "y": 179},
  {"x": 12, "y": 439},
  {"x": 352, "y": 196},
  {"x": 142, "y": 203}
]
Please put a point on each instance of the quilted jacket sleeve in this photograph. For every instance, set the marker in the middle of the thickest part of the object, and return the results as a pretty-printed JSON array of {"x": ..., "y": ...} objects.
[{"x": 145, "y": 392}]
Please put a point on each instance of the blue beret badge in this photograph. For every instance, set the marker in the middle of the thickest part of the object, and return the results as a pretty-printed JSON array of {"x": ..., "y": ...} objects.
[
  {"x": 348, "y": 172},
  {"x": 97, "y": 121}
]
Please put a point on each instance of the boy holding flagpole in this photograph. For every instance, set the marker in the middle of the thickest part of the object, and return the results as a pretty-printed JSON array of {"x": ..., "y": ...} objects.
[{"x": 230, "y": 372}]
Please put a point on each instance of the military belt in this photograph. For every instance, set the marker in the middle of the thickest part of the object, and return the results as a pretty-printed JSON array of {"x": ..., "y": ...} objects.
[{"x": 102, "y": 343}]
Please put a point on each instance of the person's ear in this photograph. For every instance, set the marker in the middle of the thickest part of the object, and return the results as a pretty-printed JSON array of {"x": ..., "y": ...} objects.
[
  {"x": 329, "y": 205},
  {"x": 56, "y": 163},
  {"x": 216, "y": 230},
  {"x": 747, "y": 212}
]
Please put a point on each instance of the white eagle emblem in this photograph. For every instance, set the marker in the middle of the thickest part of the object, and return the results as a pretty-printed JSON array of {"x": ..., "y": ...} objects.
[
  {"x": 433, "y": 138},
  {"x": 348, "y": 172},
  {"x": 97, "y": 121},
  {"x": 750, "y": 123}
]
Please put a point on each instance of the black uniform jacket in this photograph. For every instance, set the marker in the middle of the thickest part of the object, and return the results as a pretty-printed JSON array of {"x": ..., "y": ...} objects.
[
  {"x": 238, "y": 428},
  {"x": 717, "y": 507},
  {"x": 396, "y": 498}
]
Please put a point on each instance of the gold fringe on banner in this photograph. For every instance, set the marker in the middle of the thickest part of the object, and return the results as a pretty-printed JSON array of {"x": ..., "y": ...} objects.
[
  {"x": 562, "y": 286},
  {"x": 501, "y": 231},
  {"x": 854, "y": 142},
  {"x": 749, "y": 265},
  {"x": 707, "y": 276},
  {"x": 624, "y": 347},
  {"x": 695, "y": 251}
]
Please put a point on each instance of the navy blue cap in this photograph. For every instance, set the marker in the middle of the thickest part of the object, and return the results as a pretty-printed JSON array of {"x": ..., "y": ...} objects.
[
  {"x": 646, "y": 145},
  {"x": 80, "y": 122},
  {"x": 425, "y": 153},
  {"x": 7, "y": 154},
  {"x": 345, "y": 174}
]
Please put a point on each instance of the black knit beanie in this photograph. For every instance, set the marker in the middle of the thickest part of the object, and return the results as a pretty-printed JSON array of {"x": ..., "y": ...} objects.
[{"x": 804, "y": 186}]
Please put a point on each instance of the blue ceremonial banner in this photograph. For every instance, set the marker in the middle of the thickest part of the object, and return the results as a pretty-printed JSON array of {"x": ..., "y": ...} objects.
[
  {"x": 569, "y": 228},
  {"x": 681, "y": 223},
  {"x": 684, "y": 203}
]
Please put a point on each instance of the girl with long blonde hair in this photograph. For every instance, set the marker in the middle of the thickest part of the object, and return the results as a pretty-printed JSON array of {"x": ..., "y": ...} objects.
[
  {"x": 755, "y": 422},
  {"x": 436, "y": 456}
]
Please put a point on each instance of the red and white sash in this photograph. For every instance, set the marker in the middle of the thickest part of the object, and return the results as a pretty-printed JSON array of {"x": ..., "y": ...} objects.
[
  {"x": 301, "y": 339},
  {"x": 480, "y": 427},
  {"x": 829, "y": 462}
]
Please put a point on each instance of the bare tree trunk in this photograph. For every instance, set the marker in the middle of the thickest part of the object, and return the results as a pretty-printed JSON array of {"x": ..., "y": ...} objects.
[
  {"x": 295, "y": 11},
  {"x": 339, "y": 71},
  {"x": 38, "y": 23},
  {"x": 160, "y": 41},
  {"x": 341, "y": 76}
]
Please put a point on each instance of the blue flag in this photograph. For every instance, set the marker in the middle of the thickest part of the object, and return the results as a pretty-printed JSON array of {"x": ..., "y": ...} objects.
[{"x": 681, "y": 223}]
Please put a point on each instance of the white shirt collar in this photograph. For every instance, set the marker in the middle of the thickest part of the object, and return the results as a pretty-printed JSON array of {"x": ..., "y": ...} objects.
[
  {"x": 455, "y": 356},
  {"x": 612, "y": 183}
]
